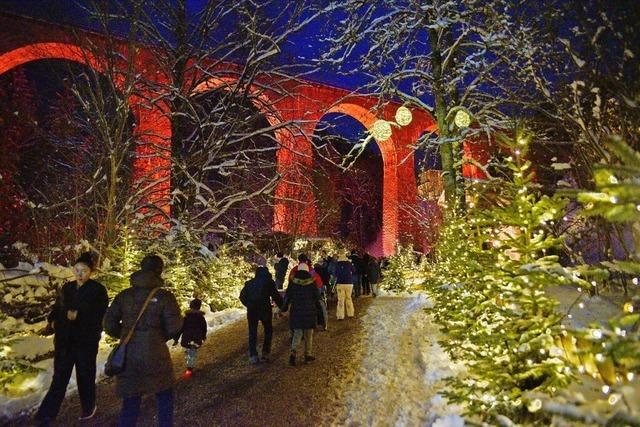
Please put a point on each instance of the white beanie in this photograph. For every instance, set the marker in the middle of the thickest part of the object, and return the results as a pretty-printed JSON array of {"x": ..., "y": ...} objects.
[{"x": 303, "y": 266}]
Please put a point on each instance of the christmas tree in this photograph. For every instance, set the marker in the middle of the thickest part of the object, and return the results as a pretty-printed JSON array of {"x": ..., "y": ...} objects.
[{"x": 492, "y": 268}]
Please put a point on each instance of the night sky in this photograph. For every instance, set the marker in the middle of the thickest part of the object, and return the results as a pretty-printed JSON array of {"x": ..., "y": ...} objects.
[{"x": 301, "y": 49}]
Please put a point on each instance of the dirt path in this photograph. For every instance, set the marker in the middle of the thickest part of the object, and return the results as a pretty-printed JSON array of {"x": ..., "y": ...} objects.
[{"x": 226, "y": 390}]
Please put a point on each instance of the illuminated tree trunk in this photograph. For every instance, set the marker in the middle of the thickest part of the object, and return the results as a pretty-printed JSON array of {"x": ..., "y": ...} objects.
[{"x": 448, "y": 156}]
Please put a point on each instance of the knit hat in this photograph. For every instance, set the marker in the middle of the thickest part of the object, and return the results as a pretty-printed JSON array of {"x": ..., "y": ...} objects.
[{"x": 303, "y": 267}]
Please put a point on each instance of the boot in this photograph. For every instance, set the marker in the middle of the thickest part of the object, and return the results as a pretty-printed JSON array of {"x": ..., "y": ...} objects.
[
  {"x": 308, "y": 359},
  {"x": 292, "y": 358}
]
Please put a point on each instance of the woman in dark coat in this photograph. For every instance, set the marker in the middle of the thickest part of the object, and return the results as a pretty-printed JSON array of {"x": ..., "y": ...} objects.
[
  {"x": 148, "y": 367},
  {"x": 76, "y": 319},
  {"x": 304, "y": 299}
]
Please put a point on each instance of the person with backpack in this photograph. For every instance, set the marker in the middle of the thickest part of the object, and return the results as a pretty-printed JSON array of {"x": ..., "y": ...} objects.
[
  {"x": 153, "y": 314},
  {"x": 256, "y": 295},
  {"x": 194, "y": 332},
  {"x": 76, "y": 319}
]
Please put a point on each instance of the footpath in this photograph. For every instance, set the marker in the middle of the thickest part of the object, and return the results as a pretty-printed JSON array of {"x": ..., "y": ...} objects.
[{"x": 383, "y": 367}]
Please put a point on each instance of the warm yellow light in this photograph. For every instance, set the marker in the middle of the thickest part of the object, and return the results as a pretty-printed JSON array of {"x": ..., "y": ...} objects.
[
  {"x": 381, "y": 130},
  {"x": 403, "y": 116},
  {"x": 462, "y": 119}
]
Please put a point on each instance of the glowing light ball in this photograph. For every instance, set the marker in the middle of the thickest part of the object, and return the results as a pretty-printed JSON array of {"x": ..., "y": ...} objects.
[
  {"x": 462, "y": 119},
  {"x": 403, "y": 116},
  {"x": 381, "y": 130}
]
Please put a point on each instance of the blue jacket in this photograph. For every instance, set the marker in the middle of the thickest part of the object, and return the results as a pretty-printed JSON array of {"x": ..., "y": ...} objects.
[{"x": 344, "y": 273}]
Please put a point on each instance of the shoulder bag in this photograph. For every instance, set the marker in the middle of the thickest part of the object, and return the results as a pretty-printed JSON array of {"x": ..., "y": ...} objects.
[{"x": 116, "y": 359}]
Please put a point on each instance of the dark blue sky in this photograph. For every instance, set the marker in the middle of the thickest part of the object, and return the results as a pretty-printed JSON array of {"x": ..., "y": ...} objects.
[{"x": 301, "y": 49}]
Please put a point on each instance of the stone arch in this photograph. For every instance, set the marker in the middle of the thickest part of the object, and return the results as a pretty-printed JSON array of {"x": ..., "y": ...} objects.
[
  {"x": 153, "y": 128},
  {"x": 38, "y": 51},
  {"x": 288, "y": 156},
  {"x": 389, "y": 231}
]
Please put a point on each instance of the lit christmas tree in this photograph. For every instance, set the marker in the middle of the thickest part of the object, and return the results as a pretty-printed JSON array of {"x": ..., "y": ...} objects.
[{"x": 489, "y": 284}]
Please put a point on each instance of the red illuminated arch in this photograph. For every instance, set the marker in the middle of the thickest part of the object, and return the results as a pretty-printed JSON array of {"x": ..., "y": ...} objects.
[
  {"x": 386, "y": 244},
  {"x": 153, "y": 127}
]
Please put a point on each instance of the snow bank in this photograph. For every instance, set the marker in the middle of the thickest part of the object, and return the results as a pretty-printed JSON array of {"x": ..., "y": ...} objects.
[
  {"x": 400, "y": 375},
  {"x": 585, "y": 310}
]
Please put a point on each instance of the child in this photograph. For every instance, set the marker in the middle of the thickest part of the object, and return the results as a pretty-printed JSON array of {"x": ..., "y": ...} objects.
[{"x": 194, "y": 332}]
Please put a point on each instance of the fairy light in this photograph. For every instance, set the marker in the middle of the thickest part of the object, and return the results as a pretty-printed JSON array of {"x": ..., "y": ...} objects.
[
  {"x": 596, "y": 333},
  {"x": 605, "y": 389},
  {"x": 628, "y": 307},
  {"x": 613, "y": 399},
  {"x": 534, "y": 405}
]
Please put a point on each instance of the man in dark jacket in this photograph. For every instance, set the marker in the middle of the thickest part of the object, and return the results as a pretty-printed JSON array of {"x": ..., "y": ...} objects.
[
  {"x": 304, "y": 299},
  {"x": 148, "y": 368},
  {"x": 373, "y": 272},
  {"x": 76, "y": 318},
  {"x": 281, "y": 269},
  {"x": 358, "y": 272},
  {"x": 256, "y": 295}
]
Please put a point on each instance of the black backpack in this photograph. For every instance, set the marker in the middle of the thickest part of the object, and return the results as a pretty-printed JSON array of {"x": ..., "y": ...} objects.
[{"x": 251, "y": 294}]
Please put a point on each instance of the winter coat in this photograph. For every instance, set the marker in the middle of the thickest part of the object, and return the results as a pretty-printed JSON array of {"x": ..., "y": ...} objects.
[
  {"x": 194, "y": 329},
  {"x": 344, "y": 272},
  {"x": 373, "y": 271},
  {"x": 91, "y": 302},
  {"x": 323, "y": 270},
  {"x": 148, "y": 367},
  {"x": 257, "y": 293},
  {"x": 304, "y": 300},
  {"x": 316, "y": 277},
  {"x": 358, "y": 264},
  {"x": 281, "y": 269}
]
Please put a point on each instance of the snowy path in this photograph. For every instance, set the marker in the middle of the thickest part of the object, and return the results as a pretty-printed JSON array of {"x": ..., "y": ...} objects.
[{"x": 401, "y": 368}]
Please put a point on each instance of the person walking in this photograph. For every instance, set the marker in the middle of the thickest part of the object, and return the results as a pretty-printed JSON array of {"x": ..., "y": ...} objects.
[
  {"x": 304, "y": 259},
  {"x": 281, "y": 267},
  {"x": 256, "y": 295},
  {"x": 304, "y": 300},
  {"x": 344, "y": 287},
  {"x": 366, "y": 283},
  {"x": 373, "y": 272},
  {"x": 148, "y": 368},
  {"x": 76, "y": 319},
  {"x": 356, "y": 261},
  {"x": 194, "y": 333}
]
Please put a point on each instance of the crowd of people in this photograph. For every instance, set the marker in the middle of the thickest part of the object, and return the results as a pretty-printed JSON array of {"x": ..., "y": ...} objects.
[
  {"x": 309, "y": 287},
  {"x": 149, "y": 316}
]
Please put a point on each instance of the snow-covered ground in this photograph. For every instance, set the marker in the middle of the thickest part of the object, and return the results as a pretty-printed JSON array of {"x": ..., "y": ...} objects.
[
  {"x": 402, "y": 367},
  {"x": 30, "y": 390}
]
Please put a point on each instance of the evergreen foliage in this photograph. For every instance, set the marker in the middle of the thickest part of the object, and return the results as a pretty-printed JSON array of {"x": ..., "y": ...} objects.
[
  {"x": 488, "y": 282},
  {"x": 400, "y": 270}
]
